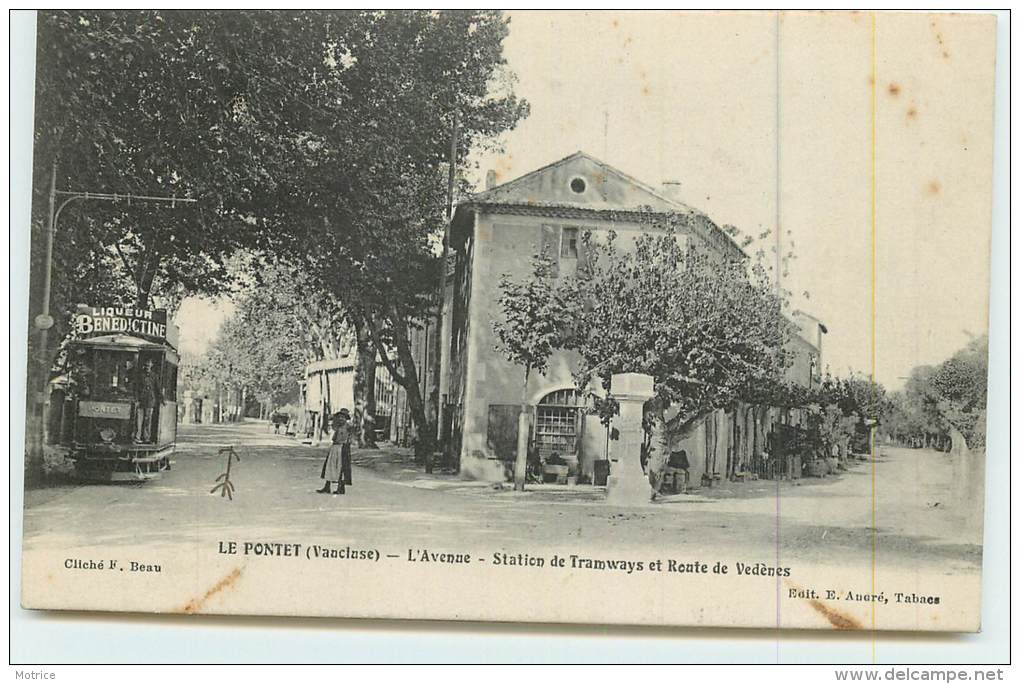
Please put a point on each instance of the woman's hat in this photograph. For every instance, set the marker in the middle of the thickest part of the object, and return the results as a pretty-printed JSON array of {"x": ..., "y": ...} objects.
[{"x": 342, "y": 413}]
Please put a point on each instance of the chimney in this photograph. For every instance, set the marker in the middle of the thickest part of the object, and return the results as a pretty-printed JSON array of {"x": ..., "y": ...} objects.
[
  {"x": 490, "y": 179},
  {"x": 671, "y": 190}
]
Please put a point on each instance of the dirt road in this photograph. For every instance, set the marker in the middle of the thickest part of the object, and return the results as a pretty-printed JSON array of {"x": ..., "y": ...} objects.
[{"x": 897, "y": 508}]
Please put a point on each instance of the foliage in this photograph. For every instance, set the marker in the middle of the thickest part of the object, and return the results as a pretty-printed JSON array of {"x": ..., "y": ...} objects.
[
  {"x": 279, "y": 326},
  {"x": 392, "y": 88},
  {"x": 863, "y": 397},
  {"x": 360, "y": 176},
  {"x": 961, "y": 383},
  {"x": 709, "y": 330},
  {"x": 605, "y": 407},
  {"x": 535, "y": 314},
  {"x": 939, "y": 399},
  {"x": 844, "y": 410},
  {"x": 320, "y": 135},
  {"x": 834, "y": 428},
  {"x": 914, "y": 415},
  {"x": 144, "y": 102},
  {"x": 285, "y": 304}
]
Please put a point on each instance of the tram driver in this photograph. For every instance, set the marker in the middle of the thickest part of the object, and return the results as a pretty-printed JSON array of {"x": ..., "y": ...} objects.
[{"x": 149, "y": 396}]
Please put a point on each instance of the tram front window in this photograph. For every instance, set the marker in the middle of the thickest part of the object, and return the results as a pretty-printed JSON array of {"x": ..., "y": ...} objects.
[{"x": 116, "y": 375}]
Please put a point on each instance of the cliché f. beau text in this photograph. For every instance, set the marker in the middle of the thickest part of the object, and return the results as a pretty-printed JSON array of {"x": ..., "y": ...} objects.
[{"x": 110, "y": 564}]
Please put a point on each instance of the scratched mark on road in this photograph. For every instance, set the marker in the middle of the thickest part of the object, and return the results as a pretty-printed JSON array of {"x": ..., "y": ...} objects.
[{"x": 225, "y": 486}]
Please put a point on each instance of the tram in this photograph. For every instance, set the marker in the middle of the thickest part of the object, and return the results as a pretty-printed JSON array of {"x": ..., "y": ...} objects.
[{"x": 118, "y": 416}]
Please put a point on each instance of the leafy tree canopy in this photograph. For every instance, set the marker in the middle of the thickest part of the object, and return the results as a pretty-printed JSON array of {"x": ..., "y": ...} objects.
[
  {"x": 320, "y": 136},
  {"x": 938, "y": 400},
  {"x": 707, "y": 329}
]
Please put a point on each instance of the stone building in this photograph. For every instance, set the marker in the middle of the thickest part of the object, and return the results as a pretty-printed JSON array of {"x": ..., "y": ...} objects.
[
  {"x": 737, "y": 443},
  {"x": 328, "y": 386},
  {"x": 496, "y": 232}
]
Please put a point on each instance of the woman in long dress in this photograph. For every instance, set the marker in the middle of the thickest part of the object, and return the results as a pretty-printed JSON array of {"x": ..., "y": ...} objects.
[{"x": 337, "y": 467}]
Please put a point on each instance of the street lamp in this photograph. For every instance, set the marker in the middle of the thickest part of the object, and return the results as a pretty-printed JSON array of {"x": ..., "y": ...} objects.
[{"x": 44, "y": 321}]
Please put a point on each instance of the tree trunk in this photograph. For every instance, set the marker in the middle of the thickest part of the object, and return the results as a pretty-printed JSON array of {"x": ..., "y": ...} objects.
[
  {"x": 657, "y": 447},
  {"x": 364, "y": 387},
  {"x": 425, "y": 429},
  {"x": 435, "y": 371},
  {"x": 959, "y": 443},
  {"x": 142, "y": 300},
  {"x": 405, "y": 373},
  {"x": 148, "y": 266},
  {"x": 523, "y": 432},
  {"x": 368, "y": 419},
  {"x": 425, "y": 442},
  {"x": 711, "y": 442},
  {"x": 320, "y": 428}
]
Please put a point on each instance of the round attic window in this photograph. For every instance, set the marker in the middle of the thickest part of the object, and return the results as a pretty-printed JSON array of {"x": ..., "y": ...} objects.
[{"x": 578, "y": 185}]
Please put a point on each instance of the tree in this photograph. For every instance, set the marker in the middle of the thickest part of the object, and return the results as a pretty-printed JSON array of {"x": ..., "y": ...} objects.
[
  {"x": 280, "y": 325},
  {"x": 145, "y": 102},
  {"x": 914, "y": 416},
  {"x": 323, "y": 136},
  {"x": 534, "y": 315},
  {"x": 707, "y": 328},
  {"x": 945, "y": 404},
  {"x": 266, "y": 366},
  {"x": 138, "y": 102},
  {"x": 864, "y": 399},
  {"x": 835, "y": 429},
  {"x": 961, "y": 385},
  {"x": 379, "y": 96},
  {"x": 850, "y": 409}
]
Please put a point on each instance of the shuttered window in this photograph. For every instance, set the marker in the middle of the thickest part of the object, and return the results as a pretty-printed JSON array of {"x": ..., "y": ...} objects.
[
  {"x": 564, "y": 245},
  {"x": 551, "y": 246},
  {"x": 582, "y": 251},
  {"x": 569, "y": 242}
]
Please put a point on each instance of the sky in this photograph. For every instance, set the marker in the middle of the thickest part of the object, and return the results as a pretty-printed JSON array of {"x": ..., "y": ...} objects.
[
  {"x": 200, "y": 319},
  {"x": 766, "y": 123},
  {"x": 793, "y": 125}
]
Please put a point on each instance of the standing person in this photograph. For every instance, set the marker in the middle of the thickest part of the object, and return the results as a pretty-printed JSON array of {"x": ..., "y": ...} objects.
[
  {"x": 337, "y": 467},
  {"x": 149, "y": 395}
]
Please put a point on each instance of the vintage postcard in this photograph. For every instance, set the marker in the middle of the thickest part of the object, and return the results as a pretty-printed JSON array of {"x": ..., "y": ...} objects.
[{"x": 650, "y": 318}]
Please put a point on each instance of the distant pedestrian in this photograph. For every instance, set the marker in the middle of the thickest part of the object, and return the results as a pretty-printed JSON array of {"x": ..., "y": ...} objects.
[
  {"x": 280, "y": 419},
  {"x": 337, "y": 467}
]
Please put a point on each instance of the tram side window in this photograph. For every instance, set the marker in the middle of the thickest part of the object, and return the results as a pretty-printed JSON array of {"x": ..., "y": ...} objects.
[
  {"x": 169, "y": 382},
  {"x": 81, "y": 372}
]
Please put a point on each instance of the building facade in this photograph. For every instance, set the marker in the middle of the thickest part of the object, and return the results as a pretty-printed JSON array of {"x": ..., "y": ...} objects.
[
  {"x": 746, "y": 441},
  {"x": 328, "y": 386},
  {"x": 496, "y": 232}
]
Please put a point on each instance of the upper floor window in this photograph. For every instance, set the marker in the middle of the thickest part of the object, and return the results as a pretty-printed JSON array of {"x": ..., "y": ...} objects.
[
  {"x": 568, "y": 243},
  {"x": 564, "y": 247}
]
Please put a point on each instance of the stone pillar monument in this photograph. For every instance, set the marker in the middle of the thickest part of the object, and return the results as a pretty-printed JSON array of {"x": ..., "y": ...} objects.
[{"x": 628, "y": 485}]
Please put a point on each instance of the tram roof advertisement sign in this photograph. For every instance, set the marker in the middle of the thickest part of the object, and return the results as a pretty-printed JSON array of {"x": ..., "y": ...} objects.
[{"x": 151, "y": 324}]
